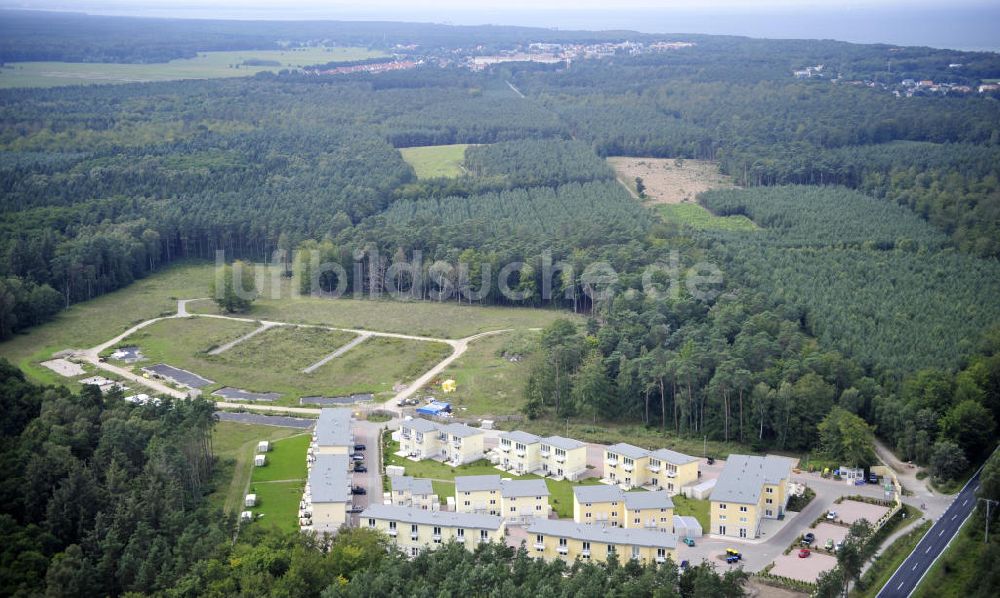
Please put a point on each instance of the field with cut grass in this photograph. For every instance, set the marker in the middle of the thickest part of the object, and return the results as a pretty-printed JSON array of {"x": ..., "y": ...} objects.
[
  {"x": 279, "y": 484},
  {"x": 374, "y": 366},
  {"x": 692, "y": 507},
  {"x": 93, "y": 322},
  {"x": 207, "y": 65},
  {"x": 696, "y": 216},
  {"x": 421, "y": 318},
  {"x": 436, "y": 161},
  {"x": 234, "y": 445},
  {"x": 489, "y": 383},
  {"x": 668, "y": 181},
  {"x": 289, "y": 347},
  {"x": 285, "y": 461}
]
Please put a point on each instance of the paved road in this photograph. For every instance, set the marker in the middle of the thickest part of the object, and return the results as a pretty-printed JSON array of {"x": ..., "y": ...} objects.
[
  {"x": 366, "y": 433},
  {"x": 913, "y": 569},
  {"x": 266, "y": 420}
]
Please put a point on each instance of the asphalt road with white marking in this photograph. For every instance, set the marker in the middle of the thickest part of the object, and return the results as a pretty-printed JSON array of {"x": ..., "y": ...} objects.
[{"x": 906, "y": 579}]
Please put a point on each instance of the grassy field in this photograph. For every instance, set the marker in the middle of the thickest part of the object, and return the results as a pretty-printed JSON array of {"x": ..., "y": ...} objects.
[
  {"x": 488, "y": 383},
  {"x": 90, "y": 323},
  {"x": 375, "y": 365},
  {"x": 279, "y": 484},
  {"x": 611, "y": 432},
  {"x": 207, "y": 65},
  {"x": 293, "y": 348},
  {"x": 435, "y": 161},
  {"x": 886, "y": 564},
  {"x": 698, "y": 217},
  {"x": 421, "y": 318},
  {"x": 692, "y": 507},
  {"x": 234, "y": 445},
  {"x": 442, "y": 476}
]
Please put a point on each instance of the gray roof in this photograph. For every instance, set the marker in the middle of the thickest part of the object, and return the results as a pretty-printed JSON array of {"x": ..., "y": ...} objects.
[
  {"x": 598, "y": 493},
  {"x": 514, "y": 488},
  {"x": 673, "y": 457},
  {"x": 628, "y": 450},
  {"x": 420, "y": 425},
  {"x": 420, "y": 516},
  {"x": 334, "y": 428},
  {"x": 648, "y": 500},
  {"x": 329, "y": 479},
  {"x": 476, "y": 483},
  {"x": 462, "y": 430},
  {"x": 566, "y": 444},
  {"x": 414, "y": 485},
  {"x": 519, "y": 436},
  {"x": 598, "y": 533},
  {"x": 743, "y": 477}
]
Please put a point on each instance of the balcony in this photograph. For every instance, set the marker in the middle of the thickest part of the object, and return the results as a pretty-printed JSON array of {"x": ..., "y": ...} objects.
[
  {"x": 436, "y": 537},
  {"x": 414, "y": 536},
  {"x": 563, "y": 550},
  {"x": 628, "y": 467},
  {"x": 505, "y": 448},
  {"x": 544, "y": 453},
  {"x": 660, "y": 560},
  {"x": 585, "y": 553},
  {"x": 654, "y": 468},
  {"x": 519, "y": 453},
  {"x": 456, "y": 443},
  {"x": 393, "y": 533},
  {"x": 560, "y": 458},
  {"x": 405, "y": 436},
  {"x": 484, "y": 540},
  {"x": 671, "y": 474},
  {"x": 539, "y": 546},
  {"x": 612, "y": 462}
]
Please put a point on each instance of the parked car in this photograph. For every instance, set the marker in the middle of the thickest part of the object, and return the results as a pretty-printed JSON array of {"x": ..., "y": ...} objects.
[
  {"x": 732, "y": 559},
  {"x": 872, "y": 478},
  {"x": 689, "y": 540},
  {"x": 831, "y": 515},
  {"x": 711, "y": 460},
  {"x": 357, "y": 456},
  {"x": 685, "y": 565},
  {"x": 838, "y": 546},
  {"x": 359, "y": 447},
  {"x": 829, "y": 544},
  {"x": 355, "y": 509},
  {"x": 358, "y": 490},
  {"x": 808, "y": 538},
  {"x": 804, "y": 553},
  {"x": 359, "y": 468},
  {"x": 732, "y": 552}
]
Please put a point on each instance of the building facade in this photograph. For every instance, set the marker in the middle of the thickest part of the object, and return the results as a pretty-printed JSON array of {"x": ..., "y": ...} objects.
[
  {"x": 327, "y": 495},
  {"x": 519, "y": 452},
  {"x": 333, "y": 434},
  {"x": 417, "y": 493},
  {"x": 555, "y": 539},
  {"x": 414, "y": 530},
  {"x": 457, "y": 444},
  {"x": 611, "y": 506},
  {"x": 563, "y": 458},
  {"x": 750, "y": 489}
]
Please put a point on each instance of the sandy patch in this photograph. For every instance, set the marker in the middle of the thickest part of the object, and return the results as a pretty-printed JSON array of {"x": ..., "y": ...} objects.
[
  {"x": 64, "y": 367},
  {"x": 807, "y": 569},
  {"x": 668, "y": 182},
  {"x": 850, "y": 511}
]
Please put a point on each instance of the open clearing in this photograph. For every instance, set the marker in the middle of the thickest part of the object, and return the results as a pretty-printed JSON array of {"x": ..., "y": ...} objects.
[
  {"x": 435, "y": 161},
  {"x": 375, "y": 366},
  {"x": 207, "y": 65},
  {"x": 488, "y": 382},
  {"x": 665, "y": 181},
  {"x": 696, "y": 216},
  {"x": 234, "y": 445}
]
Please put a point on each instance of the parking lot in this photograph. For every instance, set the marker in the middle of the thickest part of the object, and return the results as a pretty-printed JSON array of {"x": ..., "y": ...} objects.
[
  {"x": 366, "y": 433},
  {"x": 829, "y": 531},
  {"x": 803, "y": 569},
  {"x": 850, "y": 511}
]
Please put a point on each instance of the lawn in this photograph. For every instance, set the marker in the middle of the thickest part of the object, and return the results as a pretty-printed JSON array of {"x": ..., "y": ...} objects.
[
  {"x": 374, "y": 366},
  {"x": 278, "y": 503},
  {"x": 489, "y": 383},
  {"x": 234, "y": 445},
  {"x": 422, "y": 318},
  {"x": 698, "y": 217},
  {"x": 285, "y": 461},
  {"x": 93, "y": 322},
  {"x": 692, "y": 507},
  {"x": 560, "y": 491},
  {"x": 886, "y": 563},
  {"x": 436, "y": 161},
  {"x": 292, "y": 347},
  {"x": 207, "y": 65},
  {"x": 443, "y": 490}
]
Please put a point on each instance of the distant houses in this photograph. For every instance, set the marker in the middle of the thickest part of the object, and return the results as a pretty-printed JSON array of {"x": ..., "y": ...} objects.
[
  {"x": 567, "y": 540},
  {"x": 630, "y": 466},
  {"x": 517, "y": 501},
  {"x": 614, "y": 507},
  {"x": 416, "y": 493},
  {"x": 520, "y": 453},
  {"x": 456, "y": 444},
  {"x": 416, "y": 529}
]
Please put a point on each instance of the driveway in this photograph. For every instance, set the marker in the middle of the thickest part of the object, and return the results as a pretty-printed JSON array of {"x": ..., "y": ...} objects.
[{"x": 366, "y": 433}]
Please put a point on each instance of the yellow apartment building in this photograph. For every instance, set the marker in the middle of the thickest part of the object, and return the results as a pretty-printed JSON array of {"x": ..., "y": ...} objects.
[
  {"x": 626, "y": 465},
  {"x": 611, "y": 506},
  {"x": 420, "y": 439},
  {"x": 417, "y": 493},
  {"x": 563, "y": 458},
  {"x": 328, "y": 492},
  {"x": 465, "y": 443},
  {"x": 478, "y": 494},
  {"x": 414, "y": 530},
  {"x": 552, "y": 539},
  {"x": 333, "y": 434},
  {"x": 749, "y": 490},
  {"x": 671, "y": 470},
  {"x": 517, "y": 501},
  {"x": 519, "y": 452}
]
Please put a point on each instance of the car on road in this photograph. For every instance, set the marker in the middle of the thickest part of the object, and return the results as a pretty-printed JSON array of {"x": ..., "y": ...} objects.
[
  {"x": 358, "y": 490},
  {"x": 808, "y": 538},
  {"x": 804, "y": 553},
  {"x": 831, "y": 515},
  {"x": 688, "y": 540},
  {"x": 359, "y": 468},
  {"x": 359, "y": 447}
]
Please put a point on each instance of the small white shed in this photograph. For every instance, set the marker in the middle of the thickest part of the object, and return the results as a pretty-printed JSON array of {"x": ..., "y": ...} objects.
[
  {"x": 260, "y": 460},
  {"x": 250, "y": 501},
  {"x": 394, "y": 470},
  {"x": 263, "y": 446},
  {"x": 246, "y": 516}
]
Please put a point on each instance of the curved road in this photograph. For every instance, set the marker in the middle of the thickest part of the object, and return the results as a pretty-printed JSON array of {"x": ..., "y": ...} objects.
[
  {"x": 906, "y": 579},
  {"x": 458, "y": 347}
]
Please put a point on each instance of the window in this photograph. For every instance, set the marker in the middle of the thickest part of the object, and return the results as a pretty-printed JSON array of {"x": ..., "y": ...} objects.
[
  {"x": 467, "y": 503},
  {"x": 461, "y": 533},
  {"x": 371, "y": 523},
  {"x": 586, "y": 550},
  {"x": 722, "y": 506},
  {"x": 562, "y": 541},
  {"x": 392, "y": 525},
  {"x": 413, "y": 551},
  {"x": 722, "y": 530},
  {"x": 743, "y": 509},
  {"x": 635, "y": 552},
  {"x": 538, "y": 507},
  {"x": 493, "y": 501},
  {"x": 588, "y": 515},
  {"x": 513, "y": 509},
  {"x": 539, "y": 538},
  {"x": 636, "y": 521},
  {"x": 437, "y": 535},
  {"x": 611, "y": 549},
  {"x": 743, "y": 519},
  {"x": 769, "y": 501},
  {"x": 468, "y": 493},
  {"x": 743, "y": 532},
  {"x": 413, "y": 528},
  {"x": 769, "y": 490},
  {"x": 483, "y": 535},
  {"x": 661, "y": 553}
]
